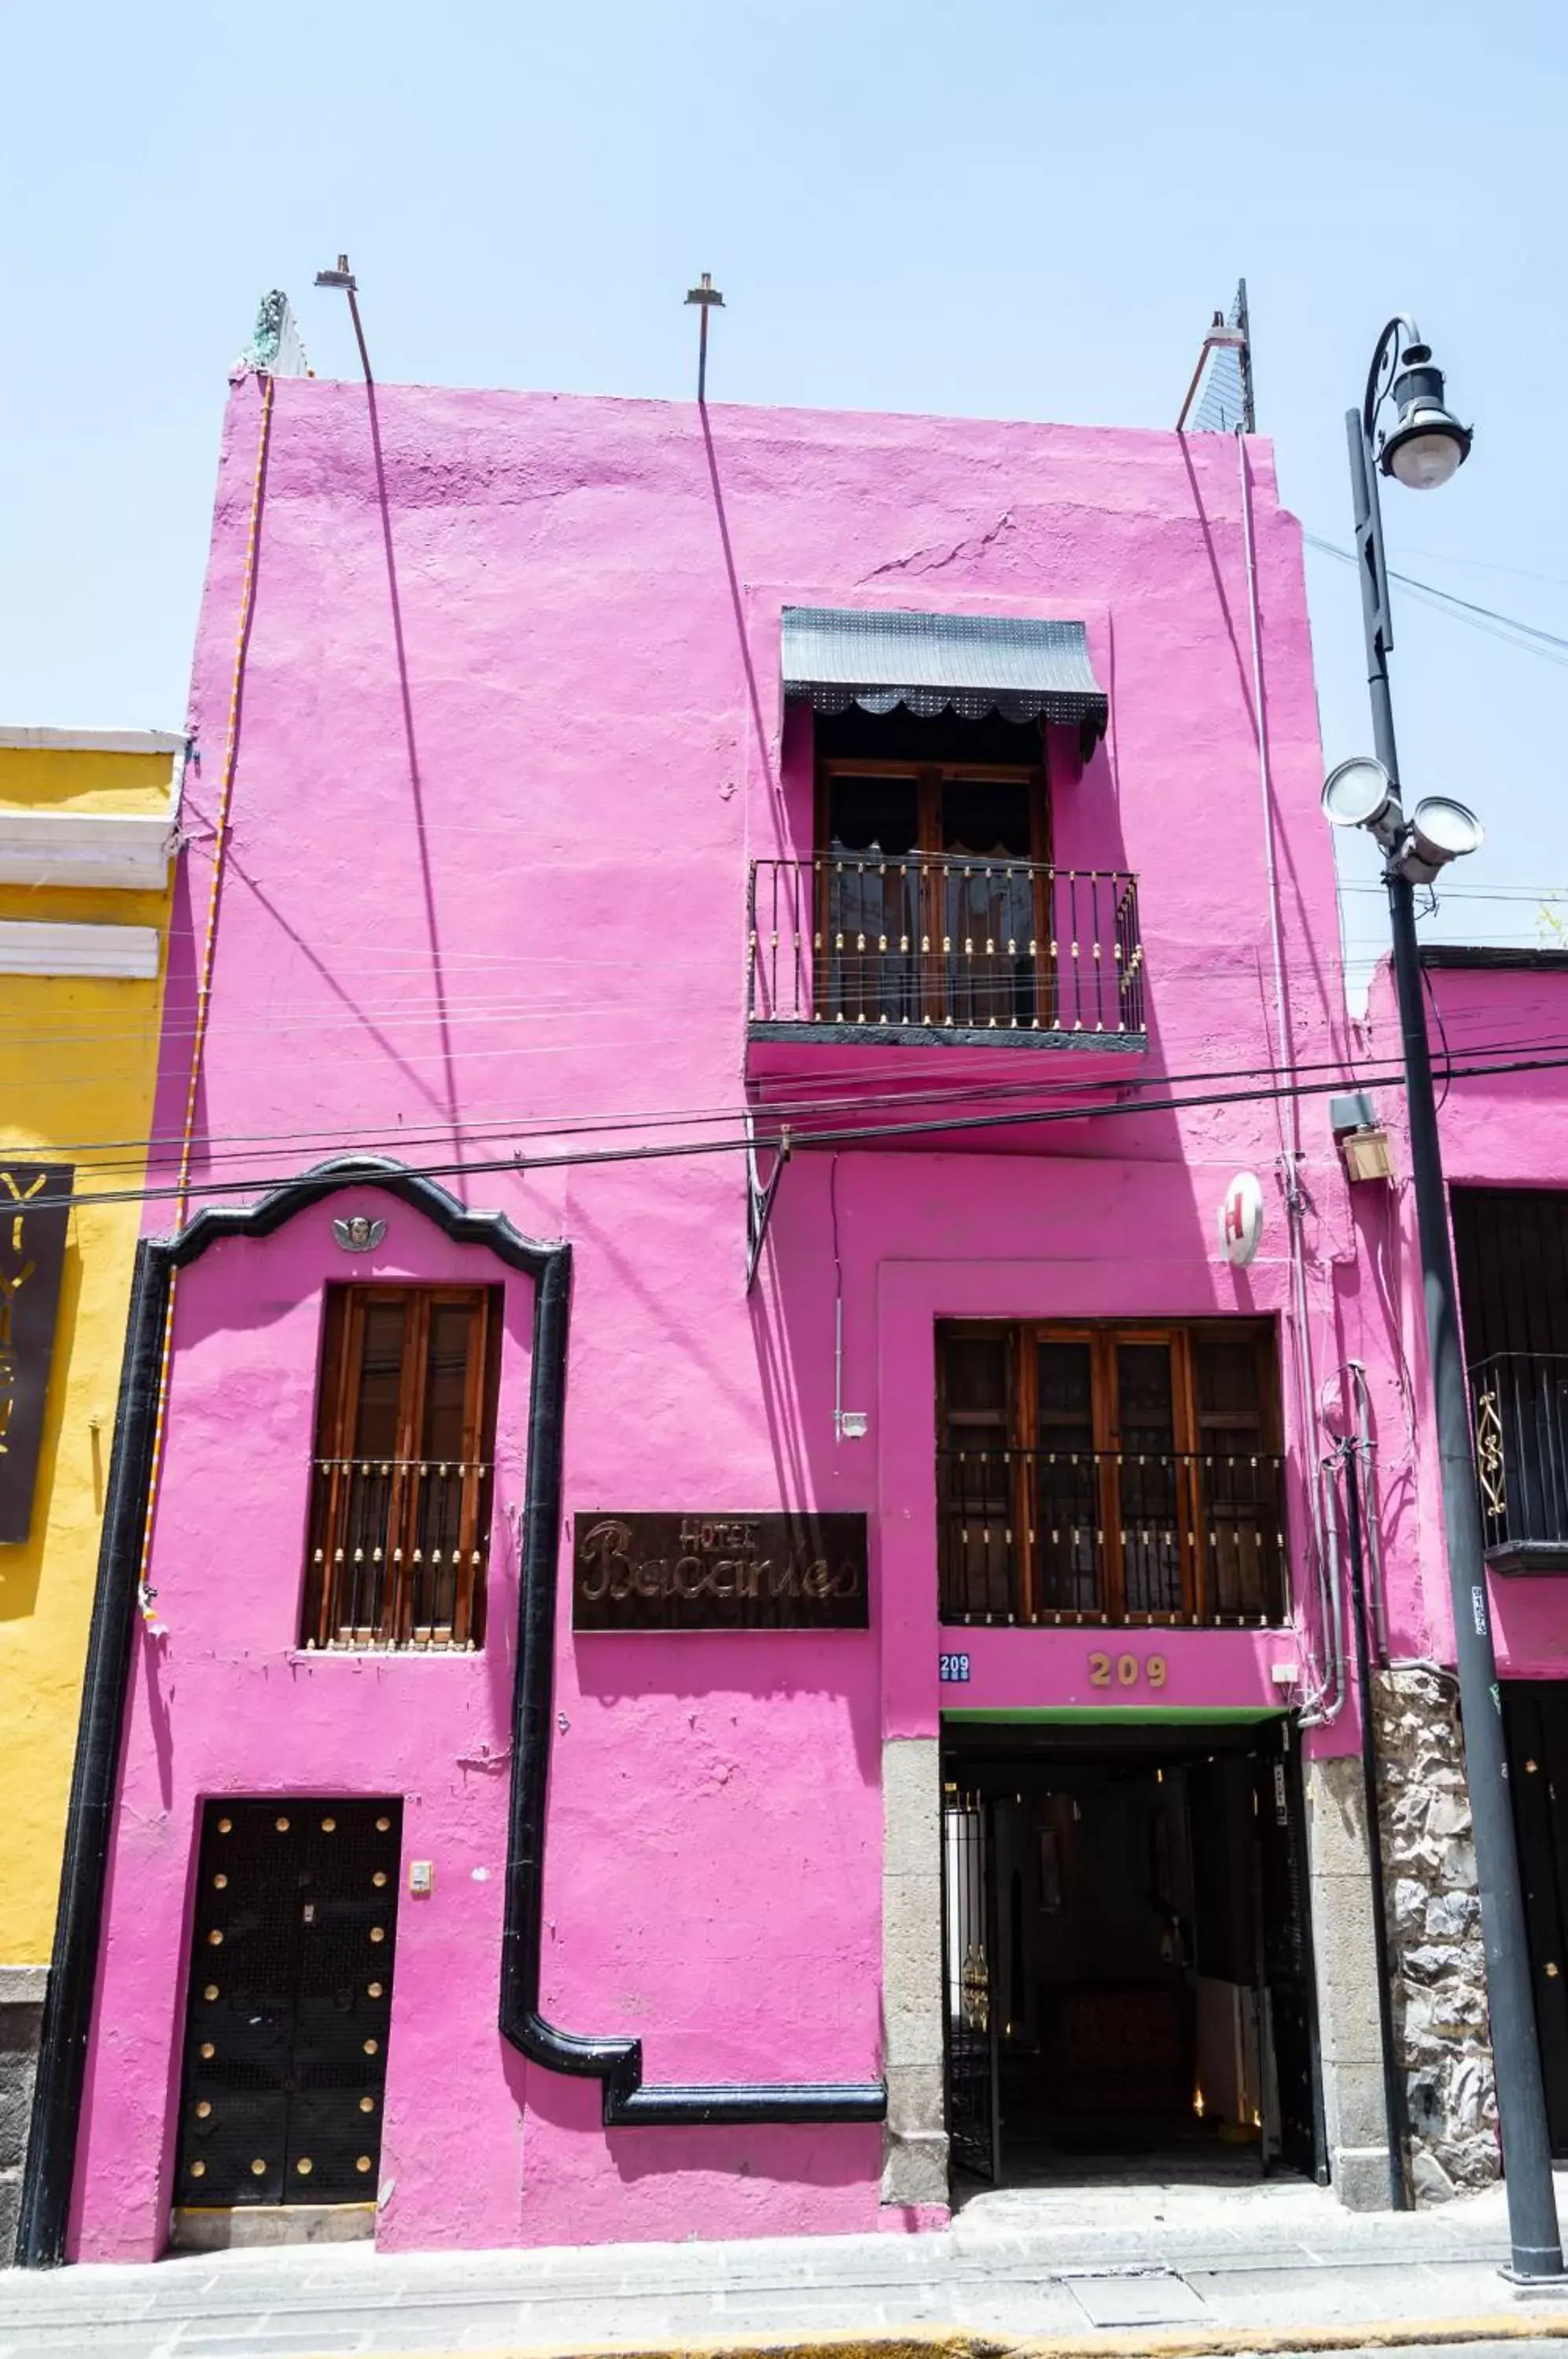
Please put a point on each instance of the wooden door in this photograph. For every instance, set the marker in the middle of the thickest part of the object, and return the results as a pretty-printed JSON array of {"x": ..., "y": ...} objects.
[
  {"x": 931, "y": 901},
  {"x": 991, "y": 917},
  {"x": 868, "y": 921},
  {"x": 289, "y": 2002}
]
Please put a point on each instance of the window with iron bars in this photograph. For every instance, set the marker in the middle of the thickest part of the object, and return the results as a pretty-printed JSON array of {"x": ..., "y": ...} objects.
[
  {"x": 402, "y": 1479},
  {"x": 1099, "y": 1473}
]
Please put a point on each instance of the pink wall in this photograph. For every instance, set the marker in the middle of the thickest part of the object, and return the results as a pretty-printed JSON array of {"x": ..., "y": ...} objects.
[{"x": 555, "y": 823}]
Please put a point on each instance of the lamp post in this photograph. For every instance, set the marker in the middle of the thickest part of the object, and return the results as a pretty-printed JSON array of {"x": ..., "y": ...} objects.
[{"x": 1426, "y": 445}]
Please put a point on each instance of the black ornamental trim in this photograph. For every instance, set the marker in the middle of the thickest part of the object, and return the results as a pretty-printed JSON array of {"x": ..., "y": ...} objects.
[{"x": 617, "y": 2062}]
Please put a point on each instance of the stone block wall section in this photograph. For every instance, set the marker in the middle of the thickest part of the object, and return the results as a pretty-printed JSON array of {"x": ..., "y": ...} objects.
[
  {"x": 21, "y": 2019},
  {"x": 1346, "y": 1954},
  {"x": 914, "y": 2162},
  {"x": 1434, "y": 1933}
]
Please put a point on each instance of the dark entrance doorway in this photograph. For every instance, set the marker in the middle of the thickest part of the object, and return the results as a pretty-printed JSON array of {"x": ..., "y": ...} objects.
[
  {"x": 1127, "y": 1959},
  {"x": 1535, "y": 1719},
  {"x": 289, "y": 1999}
]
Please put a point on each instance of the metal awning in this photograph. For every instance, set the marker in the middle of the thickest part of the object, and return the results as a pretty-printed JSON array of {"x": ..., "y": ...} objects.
[{"x": 970, "y": 664}]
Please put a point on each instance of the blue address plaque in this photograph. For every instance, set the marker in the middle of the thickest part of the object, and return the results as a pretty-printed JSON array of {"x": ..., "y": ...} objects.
[{"x": 954, "y": 1669}]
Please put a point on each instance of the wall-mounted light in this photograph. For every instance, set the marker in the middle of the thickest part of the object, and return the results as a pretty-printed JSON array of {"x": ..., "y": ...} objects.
[{"x": 1362, "y": 1141}]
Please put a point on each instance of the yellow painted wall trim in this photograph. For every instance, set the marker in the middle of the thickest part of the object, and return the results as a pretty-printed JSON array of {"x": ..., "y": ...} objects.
[
  {"x": 121, "y": 953},
  {"x": 106, "y": 851}
]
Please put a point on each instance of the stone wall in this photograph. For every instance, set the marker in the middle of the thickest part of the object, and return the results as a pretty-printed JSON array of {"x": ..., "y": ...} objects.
[
  {"x": 1434, "y": 1931},
  {"x": 914, "y": 2170},
  {"x": 21, "y": 2017}
]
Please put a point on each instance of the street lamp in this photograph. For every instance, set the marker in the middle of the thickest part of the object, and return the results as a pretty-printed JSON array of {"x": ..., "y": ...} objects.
[{"x": 1423, "y": 448}]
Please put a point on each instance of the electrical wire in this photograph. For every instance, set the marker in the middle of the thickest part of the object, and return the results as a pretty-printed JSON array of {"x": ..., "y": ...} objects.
[
  {"x": 225, "y": 1146},
  {"x": 1435, "y": 1005},
  {"x": 858, "y": 1136},
  {"x": 1489, "y": 565},
  {"x": 1530, "y": 636},
  {"x": 65, "y": 1074}
]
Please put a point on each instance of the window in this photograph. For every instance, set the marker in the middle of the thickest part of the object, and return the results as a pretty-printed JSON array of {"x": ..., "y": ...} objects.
[
  {"x": 1099, "y": 1473},
  {"x": 401, "y": 1489},
  {"x": 934, "y": 895}
]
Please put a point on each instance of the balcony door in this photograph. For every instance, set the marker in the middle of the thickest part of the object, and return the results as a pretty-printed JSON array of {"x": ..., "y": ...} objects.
[{"x": 932, "y": 893}]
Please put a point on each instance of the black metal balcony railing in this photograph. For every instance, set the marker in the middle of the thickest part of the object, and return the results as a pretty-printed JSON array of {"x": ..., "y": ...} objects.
[
  {"x": 986, "y": 945},
  {"x": 1520, "y": 1406},
  {"x": 1060, "y": 1535},
  {"x": 397, "y": 1552}
]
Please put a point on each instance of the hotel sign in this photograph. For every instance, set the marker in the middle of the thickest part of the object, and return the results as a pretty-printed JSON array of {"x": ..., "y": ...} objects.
[
  {"x": 35, "y": 1205},
  {"x": 719, "y": 1572}
]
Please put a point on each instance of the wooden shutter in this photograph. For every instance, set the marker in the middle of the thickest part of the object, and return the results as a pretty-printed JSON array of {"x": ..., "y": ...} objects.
[
  {"x": 981, "y": 1474},
  {"x": 402, "y": 1481},
  {"x": 1241, "y": 1505}
]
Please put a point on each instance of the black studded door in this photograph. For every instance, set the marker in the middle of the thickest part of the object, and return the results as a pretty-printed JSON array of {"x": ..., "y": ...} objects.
[{"x": 290, "y": 1997}]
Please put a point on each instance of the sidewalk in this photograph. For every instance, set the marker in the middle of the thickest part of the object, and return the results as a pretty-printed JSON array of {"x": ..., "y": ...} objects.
[{"x": 1277, "y": 2265}]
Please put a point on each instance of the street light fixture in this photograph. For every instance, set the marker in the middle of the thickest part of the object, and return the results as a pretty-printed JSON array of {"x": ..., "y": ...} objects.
[
  {"x": 1360, "y": 793},
  {"x": 1441, "y": 829},
  {"x": 1426, "y": 446}
]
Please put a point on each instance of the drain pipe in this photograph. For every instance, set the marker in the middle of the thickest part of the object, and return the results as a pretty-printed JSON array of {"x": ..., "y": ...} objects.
[
  {"x": 1364, "y": 1447},
  {"x": 1393, "y": 2094},
  {"x": 1329, "y": 1702},
  {"x": 1316, "y": 1711}
]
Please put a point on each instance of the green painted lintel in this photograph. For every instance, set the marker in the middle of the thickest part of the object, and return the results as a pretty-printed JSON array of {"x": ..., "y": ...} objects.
[{"x": 1121, "y": 1716}]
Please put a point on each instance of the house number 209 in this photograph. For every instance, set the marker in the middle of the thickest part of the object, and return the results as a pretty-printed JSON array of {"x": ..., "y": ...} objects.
[{"x": 1126, "y": 1671}]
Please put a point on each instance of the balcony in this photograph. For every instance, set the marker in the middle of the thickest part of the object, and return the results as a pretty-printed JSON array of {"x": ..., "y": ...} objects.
[
  {"x": 996, "y": 957},
  {"x": 1047, "y": 1538},
  {"x": 1521, "y": 1402},
  {"x": 398, "y": 1553}
]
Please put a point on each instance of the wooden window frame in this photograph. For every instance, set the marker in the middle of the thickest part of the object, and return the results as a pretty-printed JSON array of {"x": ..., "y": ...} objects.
[
  {"x": 929, "y": 779},
  {"x": 345, "y": 1313},
  {"x": 1190, "y": 1425}
]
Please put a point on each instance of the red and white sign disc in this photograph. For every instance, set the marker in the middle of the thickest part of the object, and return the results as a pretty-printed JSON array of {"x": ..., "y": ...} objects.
[{"x": 1241, "y": 1219}]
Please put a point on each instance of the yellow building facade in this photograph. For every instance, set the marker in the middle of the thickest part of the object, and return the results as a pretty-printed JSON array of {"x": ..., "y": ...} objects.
[{"x": 88, "y": 836}]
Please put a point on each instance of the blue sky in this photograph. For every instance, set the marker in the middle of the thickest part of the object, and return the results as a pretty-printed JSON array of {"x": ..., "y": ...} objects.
[{"x": 1008, "y": 208}]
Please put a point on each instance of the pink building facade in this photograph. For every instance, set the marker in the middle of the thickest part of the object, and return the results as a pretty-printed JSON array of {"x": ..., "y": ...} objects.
[
  {"x": 884, "y": 1721},
  {"x": 1495, "y": 1025}
]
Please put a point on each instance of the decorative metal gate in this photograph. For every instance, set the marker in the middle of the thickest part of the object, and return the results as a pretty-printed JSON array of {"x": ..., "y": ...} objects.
[
  {"x": 969, "y": 1977},
  {"x": 1288, "y": 1991},
  {"x": 290, "y": 2000}
]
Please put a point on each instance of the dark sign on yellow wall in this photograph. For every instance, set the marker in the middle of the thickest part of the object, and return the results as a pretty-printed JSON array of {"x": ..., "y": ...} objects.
[{"x": 35, "y": 1205}]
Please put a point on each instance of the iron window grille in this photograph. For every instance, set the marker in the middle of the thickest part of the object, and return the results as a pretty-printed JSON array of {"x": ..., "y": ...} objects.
[{"x": 402, "y": 1479}]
